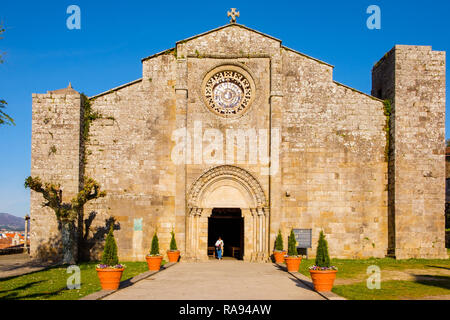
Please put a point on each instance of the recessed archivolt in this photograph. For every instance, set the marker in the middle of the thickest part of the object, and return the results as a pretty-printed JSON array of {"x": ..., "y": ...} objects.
[{"x": 223, "y": 173}]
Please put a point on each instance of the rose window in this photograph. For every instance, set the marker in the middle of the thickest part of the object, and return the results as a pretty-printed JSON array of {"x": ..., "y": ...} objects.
[{"x": 228, "y": 93}]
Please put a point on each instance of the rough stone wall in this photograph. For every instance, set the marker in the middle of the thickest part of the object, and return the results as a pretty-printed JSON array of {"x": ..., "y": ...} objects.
[
  {"x": 333, "y": 165},
  {"x": 383, "y": 87},
  {"x": 56, "y": 157},
  {"x": 130, "y": 157},
  {"x": 332, "y": 173},
  {"x": 416, "y": 86},
  {"x": 245, "y": 49}
]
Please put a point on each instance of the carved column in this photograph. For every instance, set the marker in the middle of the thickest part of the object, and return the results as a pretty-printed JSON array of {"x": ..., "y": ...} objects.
[
  {"x": 189, "y": 235},
  {"x": 194, "y": 229},
  {"x": 190, "y": 244},
  {"x": 261, "y": 234},
  {"x": 254, "y": 235},
  {"x": 267, "y": 234}
]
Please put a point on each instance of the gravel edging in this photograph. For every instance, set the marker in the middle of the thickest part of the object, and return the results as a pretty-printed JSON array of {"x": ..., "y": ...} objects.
[
  {"x": 126, "y": 283},
  {"x": 307, "y": 281}
]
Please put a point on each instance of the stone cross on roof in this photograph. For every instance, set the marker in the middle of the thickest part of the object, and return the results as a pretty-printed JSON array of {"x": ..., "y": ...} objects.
[{"x": 233, "y": 14}]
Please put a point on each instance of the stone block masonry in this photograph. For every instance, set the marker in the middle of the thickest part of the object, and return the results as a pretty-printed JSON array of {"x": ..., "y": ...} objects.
[
  {"x": 56, "y": 148},
  {"x": 413, "y": 78},
  {"x": 334, "y": 174}
]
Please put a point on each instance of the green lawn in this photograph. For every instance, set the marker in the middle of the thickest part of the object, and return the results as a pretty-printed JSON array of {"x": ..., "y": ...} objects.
[
  {"x": 396, "y": 290},
  {"x": 51, "y": 284},
  {"x": 422, "y": 286},
  {"x": 349, "y": 269}
]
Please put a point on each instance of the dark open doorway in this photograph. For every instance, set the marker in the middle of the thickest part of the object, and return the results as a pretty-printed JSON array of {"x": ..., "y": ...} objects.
[{"x": 228, "y": 224}]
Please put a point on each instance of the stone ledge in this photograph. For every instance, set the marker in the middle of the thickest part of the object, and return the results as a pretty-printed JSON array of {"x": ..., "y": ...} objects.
[
  {"x": 306, "y": 281},
  {"x": 126, "y": 283}
]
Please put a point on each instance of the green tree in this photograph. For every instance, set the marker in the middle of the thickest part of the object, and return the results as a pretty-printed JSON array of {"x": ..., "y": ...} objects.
[
  {"x": 279, "y": 242},
  {"x": 110, "y": 257},
  {"x": 66, "y": 214},
  {"x": 322, "y": 257},
  {"x": 292, "y": 244},
  {"x": 173, "y": 242},
  {"x": 155, "y": 246},
  {"x": 4, "y": 118}
]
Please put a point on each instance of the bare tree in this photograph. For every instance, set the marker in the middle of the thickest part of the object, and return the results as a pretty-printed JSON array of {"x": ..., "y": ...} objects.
[{"x": 66, "y": 214}]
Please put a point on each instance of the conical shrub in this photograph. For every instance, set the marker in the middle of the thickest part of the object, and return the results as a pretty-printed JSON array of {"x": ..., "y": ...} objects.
[
  {"x": 322, "y": 257},
  {"x": 292, "y": 244},
  {"x": 155, "y": 246},
  {"x": 279, "y": 242},
  {"x": 110, "y": 257},
  {"x": 173, "y": 243}
]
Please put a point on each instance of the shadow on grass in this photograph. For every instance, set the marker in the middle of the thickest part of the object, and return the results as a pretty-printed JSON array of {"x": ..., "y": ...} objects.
[
  {"x": 435, "y": 281},
  {"x": 23, "y": 287},
  {"x": 40, "y": 295},
  {"x": 439, "y": 267}
]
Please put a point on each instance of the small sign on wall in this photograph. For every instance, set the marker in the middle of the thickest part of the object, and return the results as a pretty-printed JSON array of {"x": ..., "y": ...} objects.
[
  {"x": 138, "y": 239},
  {"x": 138, "y": 224},
  {"x": 303, "y": 238}
]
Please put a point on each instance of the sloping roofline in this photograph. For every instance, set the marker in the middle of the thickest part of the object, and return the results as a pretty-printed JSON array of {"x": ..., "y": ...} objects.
[
  {"x": 116, "y": 89},
  {"x": 241, "y": 26},
  {"x": 226, "y": 26},
  {"x": 252, "y": 30},
  {"x": 309, "y": 57}
]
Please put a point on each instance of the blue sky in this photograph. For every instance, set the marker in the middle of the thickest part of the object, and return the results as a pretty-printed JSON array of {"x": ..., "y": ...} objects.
[{"x": 42, "y": 54}]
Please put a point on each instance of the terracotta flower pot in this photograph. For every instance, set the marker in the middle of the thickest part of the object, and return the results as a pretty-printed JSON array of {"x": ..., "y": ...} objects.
[
  {"x": 173, "y": 255},
  {"x": 292, "y": 263},
  {"x": 109, "y": 278},
  {"x": 154, "y": 262},
  {"x": 279, "y": 256},
  {"x": 323, "y": 280}
]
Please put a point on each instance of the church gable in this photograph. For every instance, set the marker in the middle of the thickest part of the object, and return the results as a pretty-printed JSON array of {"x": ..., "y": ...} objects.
[{"x": 229, "y": 40}]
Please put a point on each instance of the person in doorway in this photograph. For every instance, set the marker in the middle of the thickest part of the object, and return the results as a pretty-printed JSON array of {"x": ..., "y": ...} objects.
[{"x": 219, "y": 248}]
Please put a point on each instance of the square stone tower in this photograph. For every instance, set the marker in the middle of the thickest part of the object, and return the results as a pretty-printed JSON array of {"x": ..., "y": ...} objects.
[
  {"x": 57, "y": 154},
  {"x": 413, "y": 79}
]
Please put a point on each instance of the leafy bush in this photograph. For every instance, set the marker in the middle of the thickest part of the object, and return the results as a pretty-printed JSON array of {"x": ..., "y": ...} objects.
[
  {"x": 322, "y": 257},
  {"x": 279, "y": 242},
  {"x": 292, "y": 244},
  {"x": 155, "y": 246},
  {"x": 110, "y": 257},
  {"x": 173, "y": 243}
]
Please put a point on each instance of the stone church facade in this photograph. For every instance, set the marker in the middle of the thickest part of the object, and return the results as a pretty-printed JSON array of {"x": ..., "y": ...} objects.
[{"x": 231, "y": 118}]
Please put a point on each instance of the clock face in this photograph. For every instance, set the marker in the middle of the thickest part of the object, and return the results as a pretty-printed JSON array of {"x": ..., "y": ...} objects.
[{"x": 228, "y": 93}]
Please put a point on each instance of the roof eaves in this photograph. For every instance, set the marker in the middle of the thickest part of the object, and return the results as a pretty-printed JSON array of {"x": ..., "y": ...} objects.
[
  {"x": 158, "y": 54},
  {"x": 116, "y": 88},
  {"x": 309, "y": 57},
  {"x": 360, "y": 92}
]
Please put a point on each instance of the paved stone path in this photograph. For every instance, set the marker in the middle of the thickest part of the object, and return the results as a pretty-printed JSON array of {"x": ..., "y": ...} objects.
[
  {"x": 18, "y": 264},
  {"x": 219, "y": 280}
]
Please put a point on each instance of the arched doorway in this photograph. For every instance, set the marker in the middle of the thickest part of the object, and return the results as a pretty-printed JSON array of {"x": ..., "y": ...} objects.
[
  {"x": 228, "y": 224},
  {"x": 228, "y": 187}
]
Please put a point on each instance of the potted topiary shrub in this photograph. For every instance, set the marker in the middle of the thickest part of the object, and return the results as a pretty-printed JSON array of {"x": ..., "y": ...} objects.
[
  {"x": 293, "y": 259},
  {"x": 109, "y": 271},
  {"x": 323, "y": 273},
  {"x": 279, "y": 253},
  {"x": 154, "y": 259},
  {"x": 173, "y": 253}
]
